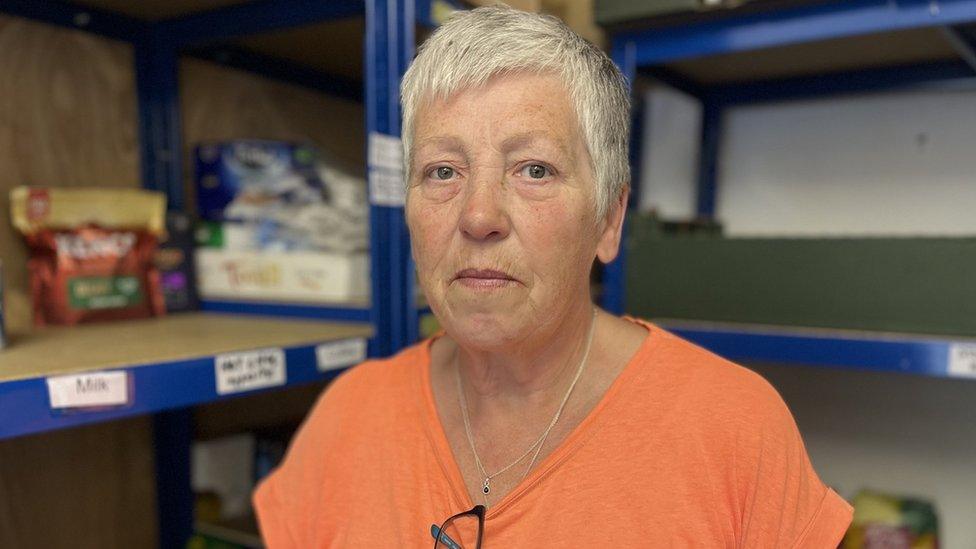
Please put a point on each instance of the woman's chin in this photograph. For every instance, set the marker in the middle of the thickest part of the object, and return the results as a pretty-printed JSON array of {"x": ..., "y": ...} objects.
[{"x": 484, "y": 330}]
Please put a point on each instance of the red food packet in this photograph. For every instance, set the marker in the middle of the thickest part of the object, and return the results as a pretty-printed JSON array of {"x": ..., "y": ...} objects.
[{"x": 91, "y": 253}]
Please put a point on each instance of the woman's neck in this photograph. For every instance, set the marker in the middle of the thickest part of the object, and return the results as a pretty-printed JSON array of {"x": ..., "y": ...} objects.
[{"x": 526, "y": 372}]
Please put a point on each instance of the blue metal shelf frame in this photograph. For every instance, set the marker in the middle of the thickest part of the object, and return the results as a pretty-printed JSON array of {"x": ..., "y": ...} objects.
[
  {"x": 912, "y": 355},
  {"x": 646, "y": 51},
  {"x": 389, "y": 48},
  {"x": 159, "y": 387},
  {"x": 821, "y": 21}
]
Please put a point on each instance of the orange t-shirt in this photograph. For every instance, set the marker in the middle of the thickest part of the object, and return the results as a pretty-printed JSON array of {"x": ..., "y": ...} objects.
[{"x": 685, "y": 449}]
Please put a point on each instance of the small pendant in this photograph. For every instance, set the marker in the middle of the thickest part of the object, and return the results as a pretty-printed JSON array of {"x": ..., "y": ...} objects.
[{"x": 487, "y": 487}]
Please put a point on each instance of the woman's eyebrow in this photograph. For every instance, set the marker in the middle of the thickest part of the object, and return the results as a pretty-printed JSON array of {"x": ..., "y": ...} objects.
[
  {"x": 447, "y": 142},
  {"x": 526, "y": 139}
]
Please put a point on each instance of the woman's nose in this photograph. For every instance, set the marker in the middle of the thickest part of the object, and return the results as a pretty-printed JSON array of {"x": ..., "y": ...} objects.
[{"x": 484, "y": 216}]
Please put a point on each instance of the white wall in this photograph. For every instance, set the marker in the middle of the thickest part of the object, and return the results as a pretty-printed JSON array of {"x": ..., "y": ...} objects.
[
  {"x": 901, "y": 164},
  {"x": 672, "y": 123}
]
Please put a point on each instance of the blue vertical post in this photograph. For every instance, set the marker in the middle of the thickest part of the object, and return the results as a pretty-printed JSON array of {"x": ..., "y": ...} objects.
[
  {"x": 157, "y": 84},
  {"x": 172, "y": 437},
  {"x": 614, "y": 273},
  {"x": 159, "y": 116},
  {"x": 711, "y": 135},
  {"x": 389, "y": 47}
]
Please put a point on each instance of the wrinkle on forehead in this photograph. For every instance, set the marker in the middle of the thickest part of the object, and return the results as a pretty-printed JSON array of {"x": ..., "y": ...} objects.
[{"x": 530, "y": 118}]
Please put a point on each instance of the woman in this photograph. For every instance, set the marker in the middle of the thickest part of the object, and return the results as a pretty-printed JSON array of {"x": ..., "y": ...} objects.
[{"x": 572, "y": 427}]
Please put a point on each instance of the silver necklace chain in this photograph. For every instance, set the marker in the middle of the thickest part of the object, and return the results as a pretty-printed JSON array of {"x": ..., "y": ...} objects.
[{"x": 540, "y": 442}]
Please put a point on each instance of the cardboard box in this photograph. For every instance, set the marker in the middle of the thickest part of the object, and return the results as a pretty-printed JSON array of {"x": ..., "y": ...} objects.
[{"x": 308, "y": 277}]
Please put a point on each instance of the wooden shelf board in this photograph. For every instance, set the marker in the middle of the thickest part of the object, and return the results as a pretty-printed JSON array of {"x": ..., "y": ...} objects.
[{"x": 64, "y": 350}]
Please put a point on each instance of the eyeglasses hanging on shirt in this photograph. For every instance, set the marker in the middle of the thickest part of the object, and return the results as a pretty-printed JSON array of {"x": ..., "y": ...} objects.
[{"x": 462, "y": 531}]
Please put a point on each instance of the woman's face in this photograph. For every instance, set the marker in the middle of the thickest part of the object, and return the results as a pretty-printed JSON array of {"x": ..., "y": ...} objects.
[{"x": 501, "y": 210}]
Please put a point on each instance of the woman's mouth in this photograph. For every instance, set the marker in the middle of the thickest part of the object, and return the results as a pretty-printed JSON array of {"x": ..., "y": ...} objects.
[{"x": 484, "y": 278}]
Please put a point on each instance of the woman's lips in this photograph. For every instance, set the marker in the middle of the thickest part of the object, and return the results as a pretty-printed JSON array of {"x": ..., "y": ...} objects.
[{"x": 484, "y": 278}]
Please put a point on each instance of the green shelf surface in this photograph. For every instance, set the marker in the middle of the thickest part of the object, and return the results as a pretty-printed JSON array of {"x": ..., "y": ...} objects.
[{"x": 913, "y": 285}]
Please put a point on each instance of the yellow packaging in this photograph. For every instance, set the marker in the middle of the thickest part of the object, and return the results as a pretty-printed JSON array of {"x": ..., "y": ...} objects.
[{"x": 33, "y": 209}]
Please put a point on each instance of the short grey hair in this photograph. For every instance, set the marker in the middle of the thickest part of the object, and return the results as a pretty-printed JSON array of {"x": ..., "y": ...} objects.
[{"x": 473, "y": 46}]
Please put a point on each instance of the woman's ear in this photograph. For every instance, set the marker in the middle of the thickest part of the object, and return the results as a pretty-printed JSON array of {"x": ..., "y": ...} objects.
[{"x": 609, "y": 244}]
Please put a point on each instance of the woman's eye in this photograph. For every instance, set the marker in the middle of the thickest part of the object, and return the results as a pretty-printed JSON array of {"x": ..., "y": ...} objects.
[
  {"x": 443, "y": 173},
  {"x": 535, "y": 171}
]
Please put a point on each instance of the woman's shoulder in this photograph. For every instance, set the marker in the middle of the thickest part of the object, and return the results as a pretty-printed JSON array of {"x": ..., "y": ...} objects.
[{"x": 692, "y": 376}]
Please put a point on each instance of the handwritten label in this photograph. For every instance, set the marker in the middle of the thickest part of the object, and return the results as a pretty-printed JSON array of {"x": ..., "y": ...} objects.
[
  {"x": 339, "y": 354},
  {"x": 962, "y": 360},
  {"x": 386, "y": 188},
  {"x": 88, "y": 390},
  {"x": 239, "y": 372},
  {"x": 385, "y": 152},
  {"x": 386, "y": 184}
]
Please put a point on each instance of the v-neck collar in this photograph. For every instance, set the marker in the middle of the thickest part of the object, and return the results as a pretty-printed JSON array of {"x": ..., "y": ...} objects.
[{"x": 445, "y": 455}]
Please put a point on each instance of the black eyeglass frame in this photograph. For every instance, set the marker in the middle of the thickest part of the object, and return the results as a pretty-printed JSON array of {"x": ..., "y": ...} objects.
[{"x": 477, "y": 511}]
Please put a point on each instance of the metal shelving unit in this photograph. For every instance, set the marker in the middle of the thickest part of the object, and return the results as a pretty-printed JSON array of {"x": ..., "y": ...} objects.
[
  {"x": 166, "y": 363},
  {"x": 880, "y": 352},
  {"x": 698, "y": 55},
  {"x": 165, "y": 377}
]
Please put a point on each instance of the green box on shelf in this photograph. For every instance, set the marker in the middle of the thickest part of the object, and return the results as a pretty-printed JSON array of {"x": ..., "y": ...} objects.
[{"x": 915, "y": 285}]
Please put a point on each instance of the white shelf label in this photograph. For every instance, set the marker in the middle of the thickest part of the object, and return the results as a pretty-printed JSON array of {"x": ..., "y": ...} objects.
[
  {"x": 385, "y": 152},
  {"x": 962, "y": 360},
  {"x": 239, "y": 372},
  {"x": 386, "y": 188},
  {"x": 386, "y": 185},
  {"x": 339, "y": 354},
  {"x": 88, "y": 390}
]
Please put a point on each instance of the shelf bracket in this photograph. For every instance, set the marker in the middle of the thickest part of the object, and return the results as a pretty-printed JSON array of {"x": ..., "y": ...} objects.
[{"x": 964, "y": 45}]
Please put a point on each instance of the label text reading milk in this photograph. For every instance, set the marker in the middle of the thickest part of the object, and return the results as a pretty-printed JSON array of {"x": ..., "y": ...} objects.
[{"x": 88, "y": 390}]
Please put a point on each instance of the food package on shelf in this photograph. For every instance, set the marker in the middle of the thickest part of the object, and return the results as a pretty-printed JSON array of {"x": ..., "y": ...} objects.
[
  {"x": 279, "y": 196},
  {"x": 282, "y": 276},
  {"x": 279, "y": 223},
  {"x": 174, "y": 259},
  {"x": 883, "y": 521},
  {"x": 91, "y": 252}
]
